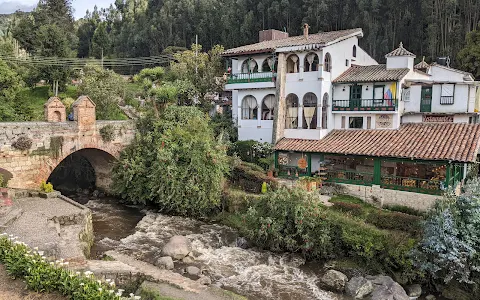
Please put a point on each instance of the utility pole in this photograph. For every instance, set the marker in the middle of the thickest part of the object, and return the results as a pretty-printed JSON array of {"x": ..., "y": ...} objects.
[{"x": 102, "y": 57}]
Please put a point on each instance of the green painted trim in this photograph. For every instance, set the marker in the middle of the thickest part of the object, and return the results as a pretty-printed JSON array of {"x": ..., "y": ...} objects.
[
  {"x": 447, "y": 174},
  {"x": 377, "y": 171},
  {"x": 309, "y": 165},
  {"x": 276, "y": 159}
]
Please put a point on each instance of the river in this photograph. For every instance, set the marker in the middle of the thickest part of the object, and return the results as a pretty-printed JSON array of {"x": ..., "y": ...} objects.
[{"x": 253, "y": 273}]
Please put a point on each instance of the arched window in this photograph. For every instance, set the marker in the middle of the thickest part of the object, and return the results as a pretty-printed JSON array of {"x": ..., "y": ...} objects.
[
  {"x": 249, "y": 108},
  {"x": 311, "y": 63},
  {"x": 354, "y": 54},
  {"x": 310, "y": 111},
  {"x": 269, "y": 64},
  {"x": 292, "y": 64},
  {"x": 291, "y": 117},
  {"x": 325, "y": 111},
  {"x": 268, "y": 107},
  {"x": 327, "y": 64},
  {"x": 249, "y": 66}
]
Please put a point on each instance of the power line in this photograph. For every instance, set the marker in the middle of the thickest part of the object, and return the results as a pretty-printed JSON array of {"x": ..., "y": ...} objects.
[{"x": 80, "y": 62}]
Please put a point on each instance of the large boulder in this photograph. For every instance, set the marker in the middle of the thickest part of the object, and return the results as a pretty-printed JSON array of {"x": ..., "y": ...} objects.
[
  {"x": 177, "y": 247},
  {"x": 165, "y": 262},
  {"x": 334, "y": 280},
  {"x": 359, "y": 287},
  {"x": 385, "y": 288}
]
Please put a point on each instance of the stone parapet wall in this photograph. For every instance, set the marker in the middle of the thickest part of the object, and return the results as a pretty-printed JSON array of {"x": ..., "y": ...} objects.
[
  {"x": 51, "y": 143},
  {"x": 381, "y": 197}
]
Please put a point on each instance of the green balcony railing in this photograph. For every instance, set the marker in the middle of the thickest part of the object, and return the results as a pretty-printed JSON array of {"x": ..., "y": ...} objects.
[
  {"x": 251, "y": 77},
  {"x": 417, "y": 185},
  {"x": 365, "y": 105},
  {"x": 352, "y": 177}
]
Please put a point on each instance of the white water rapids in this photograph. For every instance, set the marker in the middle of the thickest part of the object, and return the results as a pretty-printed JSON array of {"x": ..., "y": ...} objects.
[{"x": 250, "y": 272}]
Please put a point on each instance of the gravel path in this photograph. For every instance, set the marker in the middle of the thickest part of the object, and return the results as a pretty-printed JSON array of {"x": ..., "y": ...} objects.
[{"x": 33, "y": 225}]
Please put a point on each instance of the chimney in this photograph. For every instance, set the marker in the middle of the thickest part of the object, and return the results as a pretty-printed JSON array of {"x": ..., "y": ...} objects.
[{"x": 305, "y": 30}]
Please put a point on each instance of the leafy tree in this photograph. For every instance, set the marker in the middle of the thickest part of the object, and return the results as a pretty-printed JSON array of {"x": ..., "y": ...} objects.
[
  {"x": 101, "y": 42},
  {"x": 202, "y": 69},
  {"x": 105, "y": 88},
  {"x": 469, "y": 57},
  {"x": 175, "y": 163},
  {"x": 10, "y": 87}
]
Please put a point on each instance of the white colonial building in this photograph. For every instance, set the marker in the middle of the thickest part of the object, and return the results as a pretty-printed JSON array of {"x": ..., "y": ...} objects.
[
  {"x": 295, "y": 73},
  {"x": 303, "y": 87}
]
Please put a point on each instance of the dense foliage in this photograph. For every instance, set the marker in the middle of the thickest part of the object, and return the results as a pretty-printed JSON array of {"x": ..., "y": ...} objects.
[
  {"x": 135, "y": 28},
  {"x": 254, "y": 152},
  {"x": 41, "y": 275},
  {"x": 10, "y": 87},
  {"x": 450, "y": 248},
  {"x": 175, "y": 163},
  {"x": 249, "y": 177},
  {"x": 294, "y": 220},
  {"x": 105, "y": 88}
]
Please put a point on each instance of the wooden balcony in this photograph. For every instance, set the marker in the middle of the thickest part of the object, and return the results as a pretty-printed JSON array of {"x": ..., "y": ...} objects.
[
  {"x": 365, "y": 105},
  {"x": 251, "y": 77}
]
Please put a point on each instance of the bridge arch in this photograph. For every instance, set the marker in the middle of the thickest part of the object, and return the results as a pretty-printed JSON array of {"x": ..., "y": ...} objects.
[{"x": 87, "y": 165}]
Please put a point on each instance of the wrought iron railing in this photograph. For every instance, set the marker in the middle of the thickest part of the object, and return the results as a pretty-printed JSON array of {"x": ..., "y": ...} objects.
[
  {"x": 251, "y": 77},
  {"x": 365, "y": 105},
  {"x": 447, "y": 100},
  {"x": 353, "y": 177},
  {"x": 428, "y": 186}
]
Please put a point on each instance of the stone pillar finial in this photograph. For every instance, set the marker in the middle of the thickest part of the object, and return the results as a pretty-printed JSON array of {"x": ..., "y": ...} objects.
[
  {"x": 84, "y": 112},
  {"x": 55, "y": 110}
]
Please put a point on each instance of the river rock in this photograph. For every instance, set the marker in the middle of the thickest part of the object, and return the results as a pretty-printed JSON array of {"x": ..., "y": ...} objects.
[
  {"x": 192, "y": 270},
  {"x": 188, "y": 259},
  {"x": 430, "y": 297},
  {"x": 384, "y": 288},
  {"x": 177, "y": 247},
  {"x": 414, "y": 290},
  {"x": 334, "y": 280},
  {"x": 241, "y": 242},
  {"x": 205, "y": 280},
  {"x": 359, "y": 287},
  {"x": 165, "y": 262}
]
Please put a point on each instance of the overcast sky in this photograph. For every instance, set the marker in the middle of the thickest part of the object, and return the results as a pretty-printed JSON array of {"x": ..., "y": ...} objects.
[{"x": 79, "y": 6}]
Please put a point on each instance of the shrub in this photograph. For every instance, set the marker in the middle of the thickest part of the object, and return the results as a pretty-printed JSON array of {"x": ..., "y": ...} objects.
[
  {"x": 252, "y": 151},
  {"x": 22, "y": 143},
  {"x": 295, "y": 221},
  {"x": 107, "y": 133},
  {"x": 352, "y": 208},
  {"x": 395, "y": 221},
  {"x": 449, "y": 249},
  {"x": 250, "y": 178},
  {"x": 174, "y": 163},
  {"x": 41, "y": 275},
  {"x": 46, "y": 187},
  {"x": 404, "y": 209},
  {"x": 238, "y": 200}
]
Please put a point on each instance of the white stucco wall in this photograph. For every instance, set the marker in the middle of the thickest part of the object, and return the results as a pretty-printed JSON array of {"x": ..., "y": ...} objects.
[
  {"x": 258, "y": 130},
  {"x": 447, "y": 75},
  {"x": 463, "y": 101},
  {"x": 338, "y": 119},
  {"x": 418, "y": 118},
  {"x": 399, "y": 62}
]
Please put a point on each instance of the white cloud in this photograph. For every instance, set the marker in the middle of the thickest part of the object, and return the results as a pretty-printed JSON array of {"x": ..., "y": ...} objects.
[{"x": 8, "y": 7}]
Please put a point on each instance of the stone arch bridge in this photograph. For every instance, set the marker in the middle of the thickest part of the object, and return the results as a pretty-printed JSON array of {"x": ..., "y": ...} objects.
[{"x": 54, "y": 140}]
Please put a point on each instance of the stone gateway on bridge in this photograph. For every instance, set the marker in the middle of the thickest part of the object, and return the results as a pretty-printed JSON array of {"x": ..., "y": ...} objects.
[{"x": 30, "y": 151}]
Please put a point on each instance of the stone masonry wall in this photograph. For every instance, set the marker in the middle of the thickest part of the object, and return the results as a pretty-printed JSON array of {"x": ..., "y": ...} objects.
[
  {"x": 380, "y": 197},
  {"x": 51, "y": 143}
]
